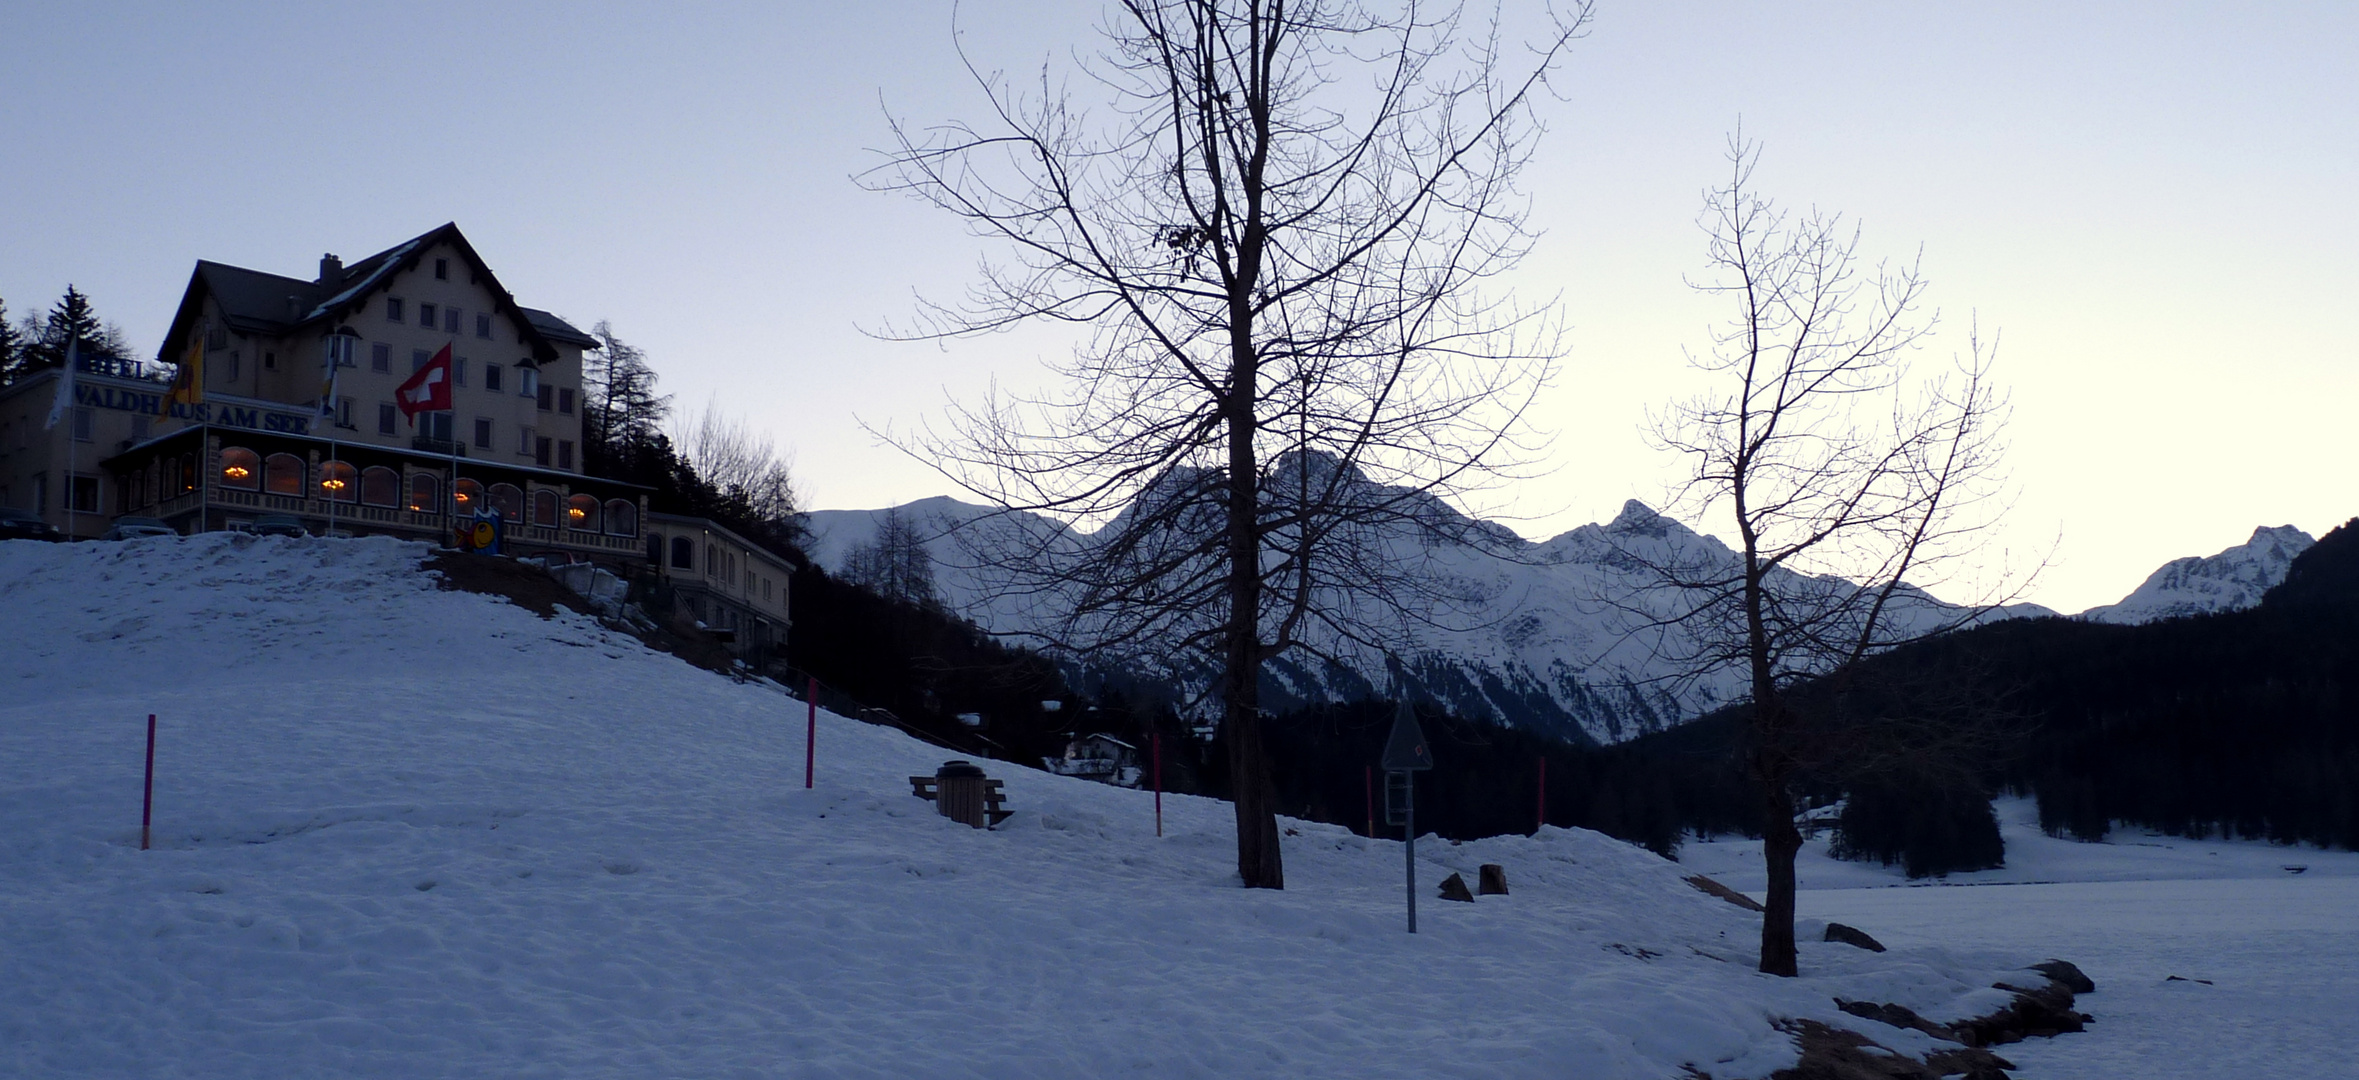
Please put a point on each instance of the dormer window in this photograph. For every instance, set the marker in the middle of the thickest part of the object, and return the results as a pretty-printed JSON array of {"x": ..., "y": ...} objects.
[{"x": 528, "y": 381}]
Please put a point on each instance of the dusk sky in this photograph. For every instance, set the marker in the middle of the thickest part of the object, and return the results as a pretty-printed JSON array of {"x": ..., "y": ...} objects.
[{"x": 2153, "y": 203}]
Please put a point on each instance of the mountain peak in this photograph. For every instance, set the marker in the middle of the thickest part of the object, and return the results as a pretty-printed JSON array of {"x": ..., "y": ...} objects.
[{"x": 2233, "y": 579}]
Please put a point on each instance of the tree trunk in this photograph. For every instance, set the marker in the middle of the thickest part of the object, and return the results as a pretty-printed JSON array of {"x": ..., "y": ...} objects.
[
  {"x": 1780, "y": 841},
  {"x": 1258, "y": 862}
]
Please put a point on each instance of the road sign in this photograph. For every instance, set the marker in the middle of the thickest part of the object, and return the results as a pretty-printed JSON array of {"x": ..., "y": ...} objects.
[{"x": 1405, "y": 749}]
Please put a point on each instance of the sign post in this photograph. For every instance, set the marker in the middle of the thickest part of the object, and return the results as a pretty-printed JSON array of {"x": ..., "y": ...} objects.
[{"x": 1405, "y": 755}]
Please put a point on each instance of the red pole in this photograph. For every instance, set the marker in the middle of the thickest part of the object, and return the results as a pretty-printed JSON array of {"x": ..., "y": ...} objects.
[
  {"x": 1157, "y": 741},
  {"x": 147, "y": 799},
  {"x": 1368, "y": 788},
  {"x": 811, "y": 732},
  {"x": 1543, "y": 797}
]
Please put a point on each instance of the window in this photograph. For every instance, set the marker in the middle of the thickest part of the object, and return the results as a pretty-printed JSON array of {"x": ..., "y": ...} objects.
[
  {"x": 84, "y": 492},
  {"x": 483, "y": 325},
  {"x": 491, "y": 377},
  {"x": 385, "y": 414},
  {"x": 468, "y": 495},
  {"x": 622, "y": 518},
  {"x": 393, "y": 309},
  {"x": 540, "y": 451},
  {"x": 507, "y": 501},
  {"x": 565, "y": 400},
  {"x": 269, "y": 362},
  {"x": 418, "y": 360},
  {"x": 344, "y": 413},
  {"x": 711, "y": 556},
  {"x": 282, "y": 474},
  {"x": 380, "y": 357},
  {"x": 524, "y": 440},
  {"x": 81, "y": 424},
  {"x": 426, "y": 316},
  {"x": 380, "y": 486},
  {"x": 442, "y": 269},
  {"x": 41, "y": 493},
  {"x": 339, "y": 482},
  {"x": 581, "y": 512},
  {"x": 683, "y": 553},
  {"x": 543, "y": 393},
  {"x": 458, "y": 371},
  {"x": 483, "y": 432},
  {"x": 565, "y": 453},
  {"x": 544, "y": 508},
  {"x": 528, "y": 380},
  {"x": 231, "y": 369},
  {"x": 425, "y": 493},
  {"x": 450, "y": 320},
  {"x": 435, "y": 425}
]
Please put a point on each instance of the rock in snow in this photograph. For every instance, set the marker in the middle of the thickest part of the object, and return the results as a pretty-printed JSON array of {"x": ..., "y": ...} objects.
[
  {"x": 408, "y": 831},
  {"x": 2231, "y": 580}
]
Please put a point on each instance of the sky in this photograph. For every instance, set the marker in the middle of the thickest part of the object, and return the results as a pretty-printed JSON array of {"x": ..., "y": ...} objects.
[{"x": 2149, "y": 203}]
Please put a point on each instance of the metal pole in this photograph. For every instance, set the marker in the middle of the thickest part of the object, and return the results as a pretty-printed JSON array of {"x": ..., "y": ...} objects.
[
  {"x": 147, "y": 799},
  {"x": 811, "y": 732},
  {"x": 1157, "y": 741},
  {"x": 1409, "y": 815},
  {"x": 1368, "y": 791}
]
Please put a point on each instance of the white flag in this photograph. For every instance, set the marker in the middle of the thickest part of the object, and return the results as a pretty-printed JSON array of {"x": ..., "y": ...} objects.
[{"x": 65, "y": 386}]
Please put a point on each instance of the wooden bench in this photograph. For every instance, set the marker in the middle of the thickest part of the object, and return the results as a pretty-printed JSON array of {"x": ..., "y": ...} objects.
[{"x": 994, "y": 797}]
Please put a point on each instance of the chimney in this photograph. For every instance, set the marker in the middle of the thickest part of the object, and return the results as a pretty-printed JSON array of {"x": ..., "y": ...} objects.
[{"x": 331, "y": 272}]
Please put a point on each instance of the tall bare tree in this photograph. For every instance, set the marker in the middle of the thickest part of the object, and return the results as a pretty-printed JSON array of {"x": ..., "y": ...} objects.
[
  {"x": 1274, "y": 229},
  {"x": 744, "y": 469},
  {"x": 894, "y": 563},
  {"x": 1846, "y": 474}
]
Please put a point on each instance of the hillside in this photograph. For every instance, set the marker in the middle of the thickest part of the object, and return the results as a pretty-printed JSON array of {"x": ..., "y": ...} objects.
[{"x": 402, "y": 830}]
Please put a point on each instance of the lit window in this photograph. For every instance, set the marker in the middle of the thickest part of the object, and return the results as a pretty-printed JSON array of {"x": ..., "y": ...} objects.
[
  {"x": 240, "y": 468},
  {"x": 380, "y": 486},
  {"x": 507, "y": 501},
  {"x": 581, "y": 512},
  {"x": 425, "y": 493},
  {"x": 339, "y": 482},
  {"x": 467, "y": 495},
  {"x": 282, "y": 474}
]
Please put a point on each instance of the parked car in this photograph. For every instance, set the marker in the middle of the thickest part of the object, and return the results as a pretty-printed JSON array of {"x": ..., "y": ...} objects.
[
  {"x": 276, "y": 525},
  {"x": 129, "y": 527},
  {"x": 25, "y": 525}
]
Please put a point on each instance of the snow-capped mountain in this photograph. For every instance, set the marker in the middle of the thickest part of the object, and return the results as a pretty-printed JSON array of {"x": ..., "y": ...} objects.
[
  {"x": 1557, "y": 636},
  {"x": 2195, "y": 585}
]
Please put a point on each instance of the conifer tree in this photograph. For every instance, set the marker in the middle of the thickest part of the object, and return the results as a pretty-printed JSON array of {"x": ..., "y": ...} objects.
[{"x": 12, "y": 350}]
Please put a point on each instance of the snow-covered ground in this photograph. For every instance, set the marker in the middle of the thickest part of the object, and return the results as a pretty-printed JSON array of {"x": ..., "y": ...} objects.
[
  {"x": 410, "y": 832},
  {"x": 2280, "y": 950}
]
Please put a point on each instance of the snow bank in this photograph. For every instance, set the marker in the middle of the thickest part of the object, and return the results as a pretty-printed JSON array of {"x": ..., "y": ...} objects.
[{"x": 410, "y": 832}]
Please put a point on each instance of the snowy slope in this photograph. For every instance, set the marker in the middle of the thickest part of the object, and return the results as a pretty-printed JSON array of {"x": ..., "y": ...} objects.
[
  {"x": 1553, "y": 637},
  {"x": 2228, "y": 581},
  {"x": 418, "y": 833}
]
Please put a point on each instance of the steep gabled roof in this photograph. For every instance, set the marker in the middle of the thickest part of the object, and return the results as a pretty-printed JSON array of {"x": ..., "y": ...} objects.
[{"x": 255, "y": 302}]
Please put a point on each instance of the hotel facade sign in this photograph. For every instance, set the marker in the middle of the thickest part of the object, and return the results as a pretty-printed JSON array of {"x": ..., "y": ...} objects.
[{"x": 250, "y": 417}]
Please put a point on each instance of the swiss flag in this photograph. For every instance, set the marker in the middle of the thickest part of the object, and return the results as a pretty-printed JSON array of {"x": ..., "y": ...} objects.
[{"x": 427, "y": 391}]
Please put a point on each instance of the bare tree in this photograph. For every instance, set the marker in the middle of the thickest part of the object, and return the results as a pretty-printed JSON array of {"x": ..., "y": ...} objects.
[
  {"x": 746, "y": 472},
  {"x": 1274, "y": 233},
  {"x": 894, "y": 563},
  {"x": 1846, "y": 474}
]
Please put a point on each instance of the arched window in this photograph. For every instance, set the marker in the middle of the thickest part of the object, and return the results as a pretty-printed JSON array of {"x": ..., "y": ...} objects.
[
  {"x": 426, "y": 493},
  {"x": 339, "y": 482},
  {"x": 241, "y": 468},
  {"x": 581, "y": 512},
  {"x": 622, "y": 518},
  {"x": 712, "y": 559},
  {"x": 282, "y": 474},
  {"x": 380, "y": 486},
  {"x": 508, "y": 500},
  {"x": 683, "y": 553},
  {"x": 655, "y": 549},
  {"x": 544, "y": 508},
  {"x": 466, "y": 496}
]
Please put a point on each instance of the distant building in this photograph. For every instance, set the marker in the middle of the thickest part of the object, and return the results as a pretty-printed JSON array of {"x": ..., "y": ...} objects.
[
  {"x": 734, "y": 588},
  {"x": 263, "y": 442},
  {"x": 1098, "y": 757}
]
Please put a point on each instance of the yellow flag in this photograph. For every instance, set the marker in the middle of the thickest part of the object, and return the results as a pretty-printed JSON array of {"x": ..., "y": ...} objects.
[{"x": 188, "y": 386}]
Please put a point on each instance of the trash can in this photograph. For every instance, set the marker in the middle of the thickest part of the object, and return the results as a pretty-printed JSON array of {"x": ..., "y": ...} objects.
[{"x": 958, "y": 792}]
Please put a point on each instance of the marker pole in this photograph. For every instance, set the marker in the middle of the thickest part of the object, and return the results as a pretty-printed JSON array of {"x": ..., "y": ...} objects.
[
  {"x": 1368, "y": 791},
  {"x": 147, "y": 798},
  {"x": 1157, "y": 742},
  {"x": 1543, "y": 798},
  {"x": 811, "y": 732}
]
